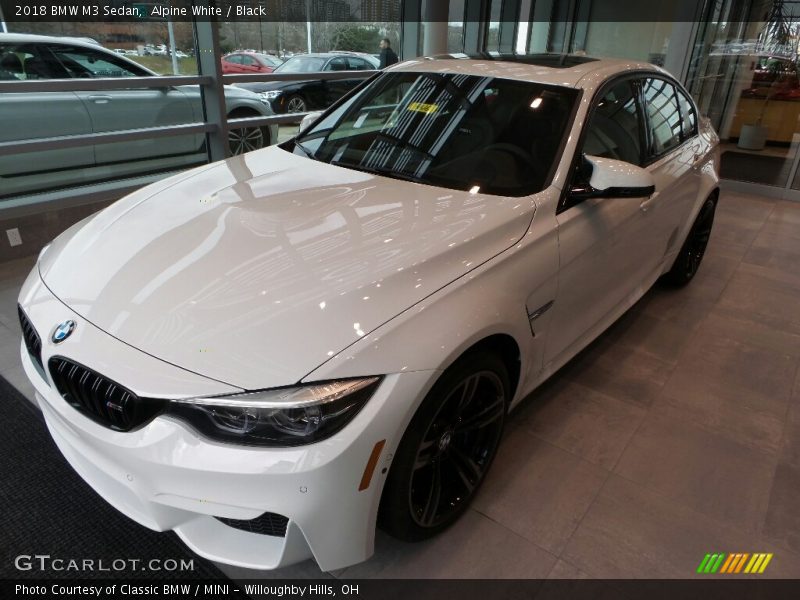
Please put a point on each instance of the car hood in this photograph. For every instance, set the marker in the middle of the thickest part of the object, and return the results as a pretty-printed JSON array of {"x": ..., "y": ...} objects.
[{"x": 256, "y": 270}]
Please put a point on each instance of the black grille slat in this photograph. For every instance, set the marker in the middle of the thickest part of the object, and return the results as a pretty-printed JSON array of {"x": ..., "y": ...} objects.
[
  {"x": 32, "y": 340},
  {"x": 266, "y": 524},
  {"x": 99, "y": 398}
]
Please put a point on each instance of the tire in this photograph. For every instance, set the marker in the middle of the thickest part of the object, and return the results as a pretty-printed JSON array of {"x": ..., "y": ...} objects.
[
  {"x": 691, "y": 255},
  {"x": 247, "y": 139},
  {"x": 443, "y": 444},
  {"x": 296, "y": 104}
]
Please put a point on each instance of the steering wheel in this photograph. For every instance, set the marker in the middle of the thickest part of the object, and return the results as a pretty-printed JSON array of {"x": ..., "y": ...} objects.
[{"x": 514, "y": 150}]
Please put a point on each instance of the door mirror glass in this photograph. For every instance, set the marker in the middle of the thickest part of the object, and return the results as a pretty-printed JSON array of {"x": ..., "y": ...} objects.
[{"x": 611, "y": 178}]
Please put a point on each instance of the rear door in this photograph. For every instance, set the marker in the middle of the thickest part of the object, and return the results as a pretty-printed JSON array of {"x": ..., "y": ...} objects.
[
  {"x": 337, "y": 88},
  {"x": 128, "y": 109},
  {"x": 672, "y": 146}
]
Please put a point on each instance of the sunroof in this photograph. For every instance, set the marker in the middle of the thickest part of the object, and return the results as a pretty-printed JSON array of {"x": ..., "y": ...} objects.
[{"x": 552, "y": 60}]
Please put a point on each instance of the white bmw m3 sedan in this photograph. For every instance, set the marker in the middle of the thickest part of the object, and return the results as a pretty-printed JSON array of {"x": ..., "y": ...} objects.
[{"x": 274, "y": 354}]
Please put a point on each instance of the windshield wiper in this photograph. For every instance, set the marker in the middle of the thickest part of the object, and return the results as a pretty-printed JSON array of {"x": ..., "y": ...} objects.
[
  {"x": 381, "y": 172},
  {"x": 304, "y": 150}
]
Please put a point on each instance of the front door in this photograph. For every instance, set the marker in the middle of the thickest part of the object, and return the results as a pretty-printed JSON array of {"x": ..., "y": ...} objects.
[{"x": 602, "y": 241}]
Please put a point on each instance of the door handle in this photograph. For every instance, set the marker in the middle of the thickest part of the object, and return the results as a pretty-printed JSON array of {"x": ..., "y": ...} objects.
[
  {"x": 698, "y": 158},
  {"x": 645, "y": 205},
  {"x": 100, "y": 98}
]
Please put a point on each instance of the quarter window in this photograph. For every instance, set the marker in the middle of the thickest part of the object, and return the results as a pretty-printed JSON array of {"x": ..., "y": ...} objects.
[
  {"x": 663, "y": 114},
  {"x": 615, "y": 125}
]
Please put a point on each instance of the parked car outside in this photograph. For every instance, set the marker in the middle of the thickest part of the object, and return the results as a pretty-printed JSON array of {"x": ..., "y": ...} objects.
[
  {"x": 249, "y": 62},
  {"x": 49, "y": 114},
  {"x": 273, "y": 353},
  {"x": 311, "y": 94}
]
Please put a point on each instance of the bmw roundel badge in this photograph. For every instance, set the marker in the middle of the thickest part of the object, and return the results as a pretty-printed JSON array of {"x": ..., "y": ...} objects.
[{"x": 63, "y": 331}]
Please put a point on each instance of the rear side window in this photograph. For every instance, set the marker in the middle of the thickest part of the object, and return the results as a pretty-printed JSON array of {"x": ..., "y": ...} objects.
[
  {"x": 614, "y": 129},
  {"x": 663, "y": 114},
  {"x": 688, "y": 116}
]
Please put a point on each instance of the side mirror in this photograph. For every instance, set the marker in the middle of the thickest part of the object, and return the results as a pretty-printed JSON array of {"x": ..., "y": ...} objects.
[
  {"x": 612, "y": 178},
  {"x": 309, "y": 120}
]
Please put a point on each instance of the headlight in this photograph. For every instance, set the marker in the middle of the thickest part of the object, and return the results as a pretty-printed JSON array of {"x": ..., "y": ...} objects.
[
  {"x": 270, "y": 95},
  {"x": 279, "y": 417}
]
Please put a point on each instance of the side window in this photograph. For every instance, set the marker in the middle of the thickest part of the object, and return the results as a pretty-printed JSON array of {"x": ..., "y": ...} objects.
[
  {"x": 688, "y": 116},
  {"x": 235, "y": 59},
  {"x": 249, "y": 61},
  {"x": 336, "y": 64},
  {"x": 614, "y": 129},
  {"x": 82, "y": 62},
  {"x": 356, "y": 64},
  {"x": 28, "y": 61},
  {"x": 663, "y": 114}
]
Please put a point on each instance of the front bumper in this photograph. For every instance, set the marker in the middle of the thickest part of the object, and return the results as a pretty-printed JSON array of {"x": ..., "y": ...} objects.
[{"x": 167, "y": 477}]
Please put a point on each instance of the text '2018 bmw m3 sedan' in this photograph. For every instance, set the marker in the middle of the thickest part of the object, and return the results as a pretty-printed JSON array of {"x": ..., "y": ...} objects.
[{"x": 272, "y": 354}]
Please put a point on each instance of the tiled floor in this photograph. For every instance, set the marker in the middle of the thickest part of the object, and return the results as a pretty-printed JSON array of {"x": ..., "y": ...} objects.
[{"x": 675, "y": 434}]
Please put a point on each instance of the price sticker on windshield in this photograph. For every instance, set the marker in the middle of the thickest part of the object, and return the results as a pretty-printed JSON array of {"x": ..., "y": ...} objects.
[{"x": 428, "y": 109}]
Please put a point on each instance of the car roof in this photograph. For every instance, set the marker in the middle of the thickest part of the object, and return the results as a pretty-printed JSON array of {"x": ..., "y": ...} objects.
[
  {"x": 332, "y": 54},
  {"x": 29, "y": 38},
  {"x": 569, "y": 70}
]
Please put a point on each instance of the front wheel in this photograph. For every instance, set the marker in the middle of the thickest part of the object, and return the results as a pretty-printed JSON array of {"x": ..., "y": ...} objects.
[
  {"x": 296, "y": 104},
  {"x": 447, "y": 449},
  {"x": 694, "y": 248}
]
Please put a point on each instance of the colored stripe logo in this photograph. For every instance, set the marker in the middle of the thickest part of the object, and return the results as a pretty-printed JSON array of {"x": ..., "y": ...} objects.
[{"x": 737, "y": 562}]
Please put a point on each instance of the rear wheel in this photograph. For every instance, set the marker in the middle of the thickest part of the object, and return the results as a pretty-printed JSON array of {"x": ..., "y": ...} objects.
[
  {"x": 691, "y": 255},
  {"x": 247, "y": 139},
  {"x": 447, "y": 449}
]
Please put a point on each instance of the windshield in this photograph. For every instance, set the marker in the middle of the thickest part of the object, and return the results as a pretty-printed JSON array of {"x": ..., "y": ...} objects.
[
  {"x": 464, "y": 132},
  {"x": 302, "y": 64}
]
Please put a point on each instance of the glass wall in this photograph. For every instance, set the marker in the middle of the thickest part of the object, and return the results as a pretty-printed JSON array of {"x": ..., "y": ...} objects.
[
  {"x": 744, "y": 75},
  {"x": 90, "y": 51}
]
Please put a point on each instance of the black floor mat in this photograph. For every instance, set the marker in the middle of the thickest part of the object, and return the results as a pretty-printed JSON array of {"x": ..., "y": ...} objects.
[
  {"x": 47, "y": 509},
  {"x": 746, "y": 166}
]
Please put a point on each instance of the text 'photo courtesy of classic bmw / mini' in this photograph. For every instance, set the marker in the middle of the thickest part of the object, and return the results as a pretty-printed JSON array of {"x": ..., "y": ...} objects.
[{"x": 274, "y": 354}]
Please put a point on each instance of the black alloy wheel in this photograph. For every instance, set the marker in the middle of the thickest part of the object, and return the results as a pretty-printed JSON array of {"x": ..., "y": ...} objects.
[{"x": 447, "y": 450}]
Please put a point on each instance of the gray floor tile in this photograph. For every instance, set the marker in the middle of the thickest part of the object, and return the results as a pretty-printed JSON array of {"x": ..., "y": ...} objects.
[
  {"x": 582, "y": 421},
  {"x": 783, "y": 517},
  {"x": 538, "y": 491},
  {"x": 475, "y": 547},
  {"x": 772, "y": 334},
  {"x": 708, "y": 473},
  {"x": 761, "y": 294},
  {"x": 631, "y": 532},
  {"x": 620, "y": 371},
  {"x": 564, "y": 570},
  {"x": 790, "y": 446},
  {"x": 9, "y": 349},
  {"x": 719, "y": 373}
]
